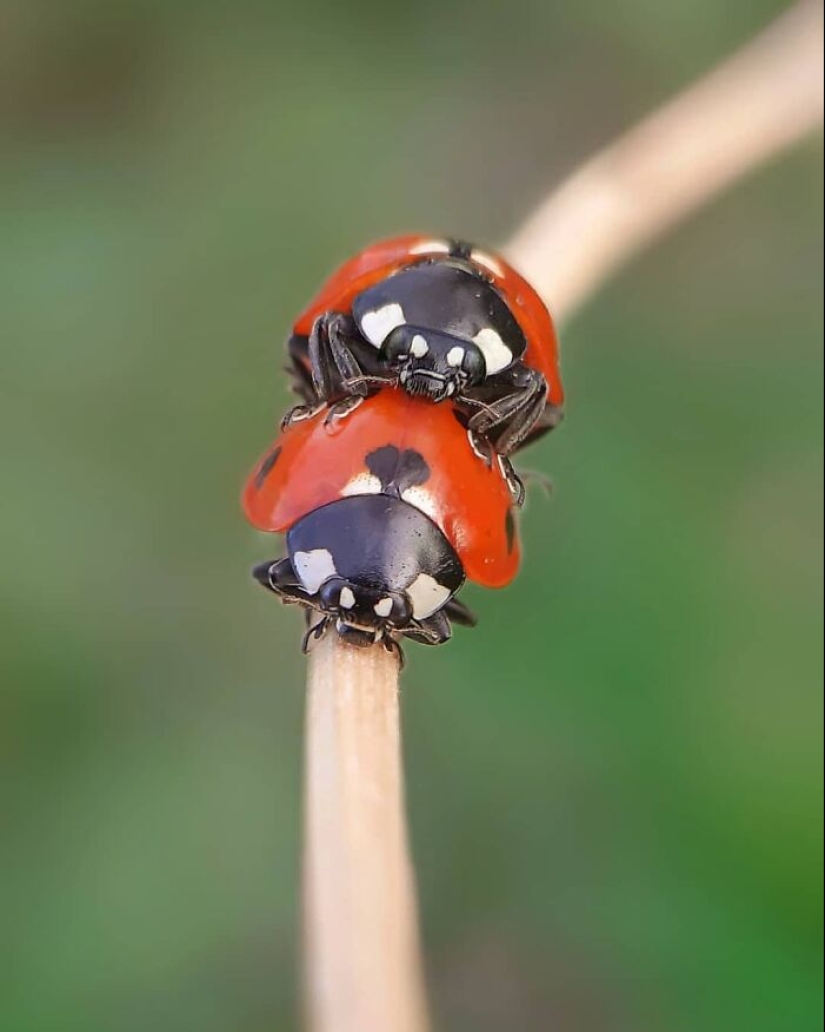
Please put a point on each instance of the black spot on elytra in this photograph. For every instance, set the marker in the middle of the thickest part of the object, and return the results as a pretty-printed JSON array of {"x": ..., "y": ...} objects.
[
  {"x": 397, "y": 470},
  {"x": 265, "y": 468},
  {"x": 510, "y": 529}
]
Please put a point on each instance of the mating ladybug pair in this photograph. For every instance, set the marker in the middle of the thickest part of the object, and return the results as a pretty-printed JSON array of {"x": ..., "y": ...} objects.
[{"x": 422, "y": 365}]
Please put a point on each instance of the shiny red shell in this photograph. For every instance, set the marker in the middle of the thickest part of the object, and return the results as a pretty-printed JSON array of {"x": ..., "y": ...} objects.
[
  {"x": 382, "y": 259},
  {"x": 311, "y": 465}
]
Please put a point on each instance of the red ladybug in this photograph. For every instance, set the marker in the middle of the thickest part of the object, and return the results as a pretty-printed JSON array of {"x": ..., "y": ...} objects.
[
  {"x": 386, "y": 513},
  {"x": 440, "y": 319}
]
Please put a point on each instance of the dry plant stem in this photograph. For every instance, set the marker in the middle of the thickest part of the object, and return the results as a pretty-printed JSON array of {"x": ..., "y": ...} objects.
[
  {"x": 364, "y": 968},
  {"x": 763, "y": 99},
  {"x": 362, "y": 961}
]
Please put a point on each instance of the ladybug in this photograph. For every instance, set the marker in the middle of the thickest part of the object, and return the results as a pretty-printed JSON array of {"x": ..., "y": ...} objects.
[
  {"x": 442, "y": 320},
  {"x": 386, "y": 514}
]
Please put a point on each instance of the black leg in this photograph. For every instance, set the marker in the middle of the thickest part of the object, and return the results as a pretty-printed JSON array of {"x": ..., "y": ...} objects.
[
  {"x": 298, "y": 413},
  {"x": 459, "y": 613},
  {"x": 550, "y": 419},
  {"x": 342, "y": 408},
  {"x": 508, "y": 419},
  {"x": 278, "y": 576},
  {"x": 331, "y": 361},
  {"x": 334, "y": 362},
  {"x": 391, "y": 645},
  {"x": 486, "y": 451},
  {"x": 435, "y": 630},
  {"x": 314, "y": 632},
  {"x": 299, "y": 370}
]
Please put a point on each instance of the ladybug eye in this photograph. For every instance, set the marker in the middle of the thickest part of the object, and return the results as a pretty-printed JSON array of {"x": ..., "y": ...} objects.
[
  {"x": 336, "y": 594},
  {"x": 474, "y": 364},
  {"x": 395, "y": 610}
]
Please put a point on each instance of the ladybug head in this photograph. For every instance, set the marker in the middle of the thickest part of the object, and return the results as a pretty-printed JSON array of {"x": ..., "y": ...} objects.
[
  {"x": 364, "y": 611},
  {"x": 434, "y": 364}
]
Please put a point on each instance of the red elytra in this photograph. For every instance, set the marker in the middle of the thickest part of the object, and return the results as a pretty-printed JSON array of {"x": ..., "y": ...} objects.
[
  {"x": 380, "y": 260},
  {"x": 312, "y": 464}
]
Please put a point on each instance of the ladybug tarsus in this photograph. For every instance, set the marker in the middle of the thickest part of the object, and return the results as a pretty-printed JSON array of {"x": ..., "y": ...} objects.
[
  {"x": 341, "y": 409},
  {"x": 298, "y": 414}
]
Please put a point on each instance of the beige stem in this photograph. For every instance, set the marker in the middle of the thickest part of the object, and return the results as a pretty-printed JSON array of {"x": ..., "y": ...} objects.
[
  {"x": 362, "y": 961},
  {"x": 760, "y": 101}
]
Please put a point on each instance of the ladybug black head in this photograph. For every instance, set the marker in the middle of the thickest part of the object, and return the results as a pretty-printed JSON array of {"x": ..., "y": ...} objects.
[
  {"x": 433, "y": 364},
  {"x": 363, "y": 607}
]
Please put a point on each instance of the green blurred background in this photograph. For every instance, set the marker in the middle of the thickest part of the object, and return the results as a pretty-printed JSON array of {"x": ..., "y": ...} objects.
[{"x": 614, "y": 784}]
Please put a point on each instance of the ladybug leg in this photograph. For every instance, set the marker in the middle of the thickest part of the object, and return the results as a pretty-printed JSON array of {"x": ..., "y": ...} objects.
[
  {"x": 508, "y": 419},
  {"x": 459, "y": 613},
  {"x": 333, "y": 363},
  {"x": 314, "y": 633},
  {"x": 549, "y": 420},
  {"x": 391, "y": 645},
  {"x": 323, "y": 362},
  {"x": 342, "y": 408},
  {"x": 513, "y": 481},
  {"x": 331, "y": 360},
  {"x": 298, "y": 369},
  {"x": 298, "y": 413},
  {"x": 482, "y": 448},
  {"x": 340, "y": 366},
  {"x": 485, "y": 451},
  {"x": 435, "y": 630},
  {"x": 278, "y": 576}
]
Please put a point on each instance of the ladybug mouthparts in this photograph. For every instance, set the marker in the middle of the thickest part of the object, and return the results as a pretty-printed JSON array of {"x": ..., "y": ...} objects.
[{"x": 432, "y": 363}]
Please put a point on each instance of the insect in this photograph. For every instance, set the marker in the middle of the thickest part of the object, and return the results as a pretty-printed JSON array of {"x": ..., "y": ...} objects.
[
  {"x": 386, "y": 513},
  {"x": 442, "y": 320}
]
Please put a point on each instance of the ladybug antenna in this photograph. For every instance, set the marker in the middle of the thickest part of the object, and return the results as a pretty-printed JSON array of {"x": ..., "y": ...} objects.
[{"x": 533, "y": 476}]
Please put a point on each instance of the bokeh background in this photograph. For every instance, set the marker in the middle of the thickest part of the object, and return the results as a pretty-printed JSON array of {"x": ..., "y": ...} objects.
[{"x": 614, "y": 784}]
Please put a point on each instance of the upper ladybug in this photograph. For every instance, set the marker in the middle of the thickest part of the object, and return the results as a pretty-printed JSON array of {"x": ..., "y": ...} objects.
[{"x": 440, "y": 319}]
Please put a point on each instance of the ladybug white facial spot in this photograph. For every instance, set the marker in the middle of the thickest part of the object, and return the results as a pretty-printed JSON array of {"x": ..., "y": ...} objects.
[
  {"x": 383, "y": 607},
  {"x": 313, "y": 568},
  {"x": 496, "y": 353},
  {"x": 346, "y": 600},
  {"x": 419, "y": 346},
  {"x": 377, "y": 326},
  {"x": 455, "y": 356},
  {"x": 426, "y": 596}
]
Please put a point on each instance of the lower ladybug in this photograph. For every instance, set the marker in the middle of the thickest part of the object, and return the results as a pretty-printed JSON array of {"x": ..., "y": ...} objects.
[
  {"x": 440, "y": 319},
  {"x": 386, "y": 514}
]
